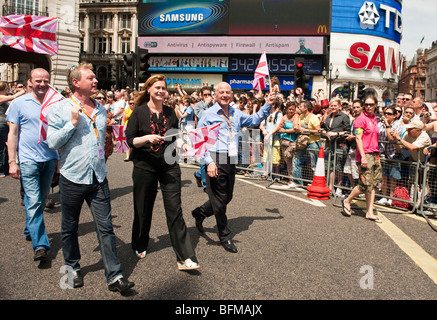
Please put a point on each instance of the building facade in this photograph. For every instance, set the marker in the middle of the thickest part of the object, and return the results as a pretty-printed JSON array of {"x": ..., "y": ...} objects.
[
  {"x": 431, "y": 73},
  {"x": 108, "y": 30},
  {"x": 414, "y": 75},
  {"x": 365, "y": 46},
  {"x": 199, "y": 42}
]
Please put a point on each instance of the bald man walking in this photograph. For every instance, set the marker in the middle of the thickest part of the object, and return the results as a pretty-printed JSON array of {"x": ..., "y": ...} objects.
[{"x": 34, "y": 162}]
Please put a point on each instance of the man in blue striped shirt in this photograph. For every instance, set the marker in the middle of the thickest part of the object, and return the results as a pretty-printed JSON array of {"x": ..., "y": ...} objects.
[
  {"x": 77, "y": 127},
  {"x": 221, "y": 158}
]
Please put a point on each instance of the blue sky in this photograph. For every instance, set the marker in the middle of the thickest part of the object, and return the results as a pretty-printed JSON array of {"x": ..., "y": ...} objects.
[{"x": 419, "y": 18}]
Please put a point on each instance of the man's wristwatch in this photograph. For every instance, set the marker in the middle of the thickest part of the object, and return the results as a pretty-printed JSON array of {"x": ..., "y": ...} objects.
[{"x": 10, "y": 161}]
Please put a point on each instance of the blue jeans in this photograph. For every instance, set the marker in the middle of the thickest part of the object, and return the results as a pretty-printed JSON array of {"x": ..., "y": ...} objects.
[
  {"x": 36, "y": 178},
  {"x": 301, "y": 157},
  {"x": 98, "y": 199},
  {"x": 201, "y": 173}
]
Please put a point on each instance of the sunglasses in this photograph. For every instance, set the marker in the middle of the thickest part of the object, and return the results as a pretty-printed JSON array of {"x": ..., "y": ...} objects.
[
  {"x": 398, "y": 111},
  {"x": 388, "y": 113},
  {"x": 369, "y": 104},
  {"x": 406, "y": 99},
  {"x": 100, "y": 98}
]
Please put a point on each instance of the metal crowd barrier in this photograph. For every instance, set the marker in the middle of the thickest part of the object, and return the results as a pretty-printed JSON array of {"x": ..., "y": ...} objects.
[
  {"x": 266, "y": 164},
  {"x": 419, "y": 179},
  {"x": 407, "y": 182},
  {"x": 428, "y": 196},
  {"x": 265, "y": 160}
]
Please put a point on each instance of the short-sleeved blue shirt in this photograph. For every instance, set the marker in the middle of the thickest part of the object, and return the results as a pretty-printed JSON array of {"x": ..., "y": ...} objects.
[{"x": 25, "y": 111}]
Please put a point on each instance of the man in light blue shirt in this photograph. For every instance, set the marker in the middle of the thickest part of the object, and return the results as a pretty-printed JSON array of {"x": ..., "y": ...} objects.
[
  {"x": 221, "y": 158},
  {"x": 35, "y": 163},
  {"x": 77, "y": 127}
]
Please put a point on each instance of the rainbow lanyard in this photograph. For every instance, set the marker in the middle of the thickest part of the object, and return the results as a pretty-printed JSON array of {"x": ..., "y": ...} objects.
[{"x": 93, "y": 119}]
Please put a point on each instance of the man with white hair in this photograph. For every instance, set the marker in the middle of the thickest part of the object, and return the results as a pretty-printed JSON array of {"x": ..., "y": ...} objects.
[{"x": 221, "y": 158}]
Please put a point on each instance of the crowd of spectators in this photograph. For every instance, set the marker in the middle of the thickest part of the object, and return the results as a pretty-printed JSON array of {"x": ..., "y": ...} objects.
[{"x": 326, "y": 123}]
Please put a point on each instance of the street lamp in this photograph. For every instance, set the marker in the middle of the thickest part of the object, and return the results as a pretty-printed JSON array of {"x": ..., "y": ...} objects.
[{"x": 329, "y": 77}]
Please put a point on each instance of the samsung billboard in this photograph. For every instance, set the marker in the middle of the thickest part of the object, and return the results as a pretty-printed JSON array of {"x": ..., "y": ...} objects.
[
  {"x": 188, "y": 17},
  {"x": 380, "y": 18},
  {"x": 236, "y": 17}
]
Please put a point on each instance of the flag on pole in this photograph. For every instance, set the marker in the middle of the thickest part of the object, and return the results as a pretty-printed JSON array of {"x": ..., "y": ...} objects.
[
  {"x": 203, "y": 139},
  {"x": 52, "y": 96},
  {"x": 261, "y": 73},
  {"x": 30, "y": 33},
  {"x": 120, "y": 139}
]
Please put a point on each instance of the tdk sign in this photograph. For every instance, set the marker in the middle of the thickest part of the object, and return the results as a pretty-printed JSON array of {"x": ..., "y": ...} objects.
[
  {"x": 181, "y": 18},
  {"x": 369, "y": 16},
  {"x": 381, "y": 18}
]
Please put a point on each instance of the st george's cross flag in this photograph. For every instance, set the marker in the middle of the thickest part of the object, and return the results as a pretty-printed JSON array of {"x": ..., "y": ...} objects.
[
  {"x": 120, "y": 139},
  {"x": 203, "y": 139},
  {"x": 30, "y": 33},
  {"x": 261, "y": 73},
  {"x": 52, "y": 96}
]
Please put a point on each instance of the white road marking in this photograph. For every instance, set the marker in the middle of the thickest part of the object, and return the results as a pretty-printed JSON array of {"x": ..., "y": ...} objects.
[
  {"x": 312, "y": 202},
  {"x": 420, "y": 257}
]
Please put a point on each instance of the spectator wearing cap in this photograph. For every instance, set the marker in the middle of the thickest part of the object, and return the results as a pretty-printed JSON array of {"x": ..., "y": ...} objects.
[{"x": 415, "y": 139}]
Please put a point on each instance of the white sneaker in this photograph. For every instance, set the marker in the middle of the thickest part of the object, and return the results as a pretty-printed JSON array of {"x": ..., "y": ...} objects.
[
  {"x": 187, "y": 265},
  {"x": 382, "y": 201},
  {"x": 292, "y": 185},
  {"x": 389, "y": 202},
  {"x": 338, "y": 192},
  {"x": 141, "y": 255}
]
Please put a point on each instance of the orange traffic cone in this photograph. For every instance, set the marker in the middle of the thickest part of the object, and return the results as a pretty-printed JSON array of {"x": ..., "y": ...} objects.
[{"x": 318, "y": 189}]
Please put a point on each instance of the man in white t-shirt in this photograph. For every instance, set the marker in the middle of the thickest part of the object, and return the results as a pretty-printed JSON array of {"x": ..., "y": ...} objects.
[{"x": 119, "y": 106}]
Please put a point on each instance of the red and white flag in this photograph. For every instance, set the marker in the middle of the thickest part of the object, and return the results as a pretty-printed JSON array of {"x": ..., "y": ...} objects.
[
  {"x": 120, "y": 139},
  {"x": 30, "y": 33},
  {"x": 261, "y": 73},
  {"x": 52, "y": 96},
  {"x": 203, "y": 139}
]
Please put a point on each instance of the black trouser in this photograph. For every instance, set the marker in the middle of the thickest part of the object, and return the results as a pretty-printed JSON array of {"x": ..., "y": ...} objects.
[
  {"x": 220, "y": 191},
  {"x": 145, "y": 187},
  {"x": 98, "y": 198}
]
